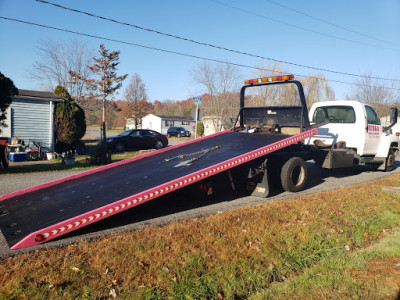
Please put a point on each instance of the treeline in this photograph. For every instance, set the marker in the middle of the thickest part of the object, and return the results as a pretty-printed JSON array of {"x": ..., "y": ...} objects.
[{"x": 118, "y": 111}]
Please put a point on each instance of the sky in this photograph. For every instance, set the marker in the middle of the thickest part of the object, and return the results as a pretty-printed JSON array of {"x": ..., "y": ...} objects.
[{"x": 355, "y": 37}]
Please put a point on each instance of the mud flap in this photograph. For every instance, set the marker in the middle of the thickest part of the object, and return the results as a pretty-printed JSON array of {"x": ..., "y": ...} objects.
[{"x": 258, "y": 182}]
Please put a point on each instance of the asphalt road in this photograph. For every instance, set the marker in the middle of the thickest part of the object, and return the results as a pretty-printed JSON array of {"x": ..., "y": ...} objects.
[{"x": 176, "y": 207}]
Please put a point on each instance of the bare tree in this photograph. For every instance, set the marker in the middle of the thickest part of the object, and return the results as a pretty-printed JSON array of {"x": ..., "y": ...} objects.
[
  {"x": 270, "y": 95},
  {"x": 107, "y": 81},
  {"x": 136, "y": 97},
  {"x": 221, "y": 83},
  {"x": 204, "y": 74},
  {"x": 316, "y": 88},
  {"x": 56, "y": 59},
  {"x": 378, "y": 93}
]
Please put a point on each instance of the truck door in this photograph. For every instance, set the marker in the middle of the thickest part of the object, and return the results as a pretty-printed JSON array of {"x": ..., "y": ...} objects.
[{"x": 374, "y": 132}]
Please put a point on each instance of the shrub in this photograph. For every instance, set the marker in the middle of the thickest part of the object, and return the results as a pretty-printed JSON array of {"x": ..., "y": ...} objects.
[
  {"x": 100, "y": 155},
  {"x": 200, "y": 129},
  {"x": 69, "y": 121}
]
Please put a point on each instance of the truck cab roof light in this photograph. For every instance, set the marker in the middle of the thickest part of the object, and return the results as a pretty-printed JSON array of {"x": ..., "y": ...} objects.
[{"x": 269, "y": 79}]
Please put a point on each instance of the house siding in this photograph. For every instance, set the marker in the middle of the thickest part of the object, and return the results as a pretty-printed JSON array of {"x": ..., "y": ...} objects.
[
  {"x": 152, "y": 122},
  {"x": 162, "y": 123},
  {"x": 33, "y": 120},
  {"x": 212, "y": 124}
]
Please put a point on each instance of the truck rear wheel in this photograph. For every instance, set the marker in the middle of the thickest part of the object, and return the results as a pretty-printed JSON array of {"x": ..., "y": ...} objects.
[{"x": 294, "y": 174}]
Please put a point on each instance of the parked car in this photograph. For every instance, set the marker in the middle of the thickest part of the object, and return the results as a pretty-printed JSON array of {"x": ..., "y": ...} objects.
[
  {"x": 137, "y": 139},
  {"x": 178, "y": 131}
]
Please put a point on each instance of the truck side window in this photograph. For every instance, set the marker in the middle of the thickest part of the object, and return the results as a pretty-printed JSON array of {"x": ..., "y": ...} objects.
[
  {"x": 372, "y": 117},
  {"x": 319, "y": 115}
]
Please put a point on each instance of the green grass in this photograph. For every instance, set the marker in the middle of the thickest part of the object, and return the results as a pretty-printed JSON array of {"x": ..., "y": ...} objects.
[
  {"x": 82, "y": 162},
  {"x": 335, "y": 275}
]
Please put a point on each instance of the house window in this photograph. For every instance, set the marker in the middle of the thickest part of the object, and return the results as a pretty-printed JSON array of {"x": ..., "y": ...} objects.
[
  {"x": 169, "y": 123},
  {"x": 185, "y": 123}
]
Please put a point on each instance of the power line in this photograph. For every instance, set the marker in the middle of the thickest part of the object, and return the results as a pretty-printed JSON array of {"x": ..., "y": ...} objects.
[
  {"x": 332, "y": 24},
  {"x": 207, "y": 44},
  {"x": 298, "y": 27},
  {"x": 174, "y": 52}
]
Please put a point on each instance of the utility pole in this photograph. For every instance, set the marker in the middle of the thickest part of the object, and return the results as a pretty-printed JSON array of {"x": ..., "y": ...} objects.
[
  {"x": 104, "y": 117},
  {"x": 197, "y": 101}
]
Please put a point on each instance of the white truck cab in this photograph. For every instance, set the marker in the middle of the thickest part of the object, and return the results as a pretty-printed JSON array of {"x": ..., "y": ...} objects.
[{"x": 355, "y": 126}]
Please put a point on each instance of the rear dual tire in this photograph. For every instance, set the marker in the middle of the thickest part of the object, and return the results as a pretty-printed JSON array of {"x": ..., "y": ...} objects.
[{"x": 294, "y": 174}]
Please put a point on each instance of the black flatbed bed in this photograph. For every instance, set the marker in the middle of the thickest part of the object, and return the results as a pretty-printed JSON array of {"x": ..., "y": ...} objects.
[{"x": 33, "y": 211}]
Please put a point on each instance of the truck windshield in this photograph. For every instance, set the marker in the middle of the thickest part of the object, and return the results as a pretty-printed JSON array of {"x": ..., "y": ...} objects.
[{"x": 335, "y": 114}]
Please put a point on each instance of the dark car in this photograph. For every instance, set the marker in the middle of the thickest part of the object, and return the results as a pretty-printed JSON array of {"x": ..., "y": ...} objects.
[
  {"x": 178, "y": 131},
  {"x": 137, "y": 139}
]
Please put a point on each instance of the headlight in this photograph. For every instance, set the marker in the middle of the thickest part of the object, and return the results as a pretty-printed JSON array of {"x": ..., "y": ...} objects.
[{"x": 109, "y": 140}]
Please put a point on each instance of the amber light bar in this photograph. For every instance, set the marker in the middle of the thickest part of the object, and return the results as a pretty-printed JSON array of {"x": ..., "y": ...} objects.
[{"x": 269, "y": 79}]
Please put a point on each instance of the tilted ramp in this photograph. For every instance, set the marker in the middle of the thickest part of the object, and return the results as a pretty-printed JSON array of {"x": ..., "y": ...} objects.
[{"x": 38, "y": 214}]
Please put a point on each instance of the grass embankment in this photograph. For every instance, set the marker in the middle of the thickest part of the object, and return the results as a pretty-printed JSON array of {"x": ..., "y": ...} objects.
[{"x": 337, "y": 244}]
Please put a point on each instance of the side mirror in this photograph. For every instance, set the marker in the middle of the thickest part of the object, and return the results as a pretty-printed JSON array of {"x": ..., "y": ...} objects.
[
  {"x": 393, "y": 118},
  {"x": 393, "y": 115}
]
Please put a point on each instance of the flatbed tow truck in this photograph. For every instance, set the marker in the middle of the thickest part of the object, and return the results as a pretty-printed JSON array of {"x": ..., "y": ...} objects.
[{"x": 266, "y": 146}]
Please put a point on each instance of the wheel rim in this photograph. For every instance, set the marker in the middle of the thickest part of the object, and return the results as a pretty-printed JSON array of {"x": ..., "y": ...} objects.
[
  {"x": 159, "y": 145},
  {"x": 298, "y": 175},
  {"x": 119, "y": 147}
]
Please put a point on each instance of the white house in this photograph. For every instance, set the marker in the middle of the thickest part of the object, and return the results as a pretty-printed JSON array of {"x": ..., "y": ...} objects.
[
  {"x": 31, "y": 117},
  {"x": 212, "y": 124},
  {"x": 161, "y": 123},
  {"x": 130, "y": 124}
]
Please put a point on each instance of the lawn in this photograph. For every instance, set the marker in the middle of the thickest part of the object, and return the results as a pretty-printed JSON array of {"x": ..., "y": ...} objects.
[{"x": 82, "y": 162}]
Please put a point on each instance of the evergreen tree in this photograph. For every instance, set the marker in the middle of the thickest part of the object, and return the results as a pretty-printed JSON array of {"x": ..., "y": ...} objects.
[
  {"x": 200, "y": 129},
  {"x": 69, "y": 121},
  {"x": 7, "y": 90}
]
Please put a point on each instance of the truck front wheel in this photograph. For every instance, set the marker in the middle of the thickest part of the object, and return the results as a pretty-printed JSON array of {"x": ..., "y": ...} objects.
[
  {"x": 294, "y": 174},
  {"x": 390, "y": 160}
]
